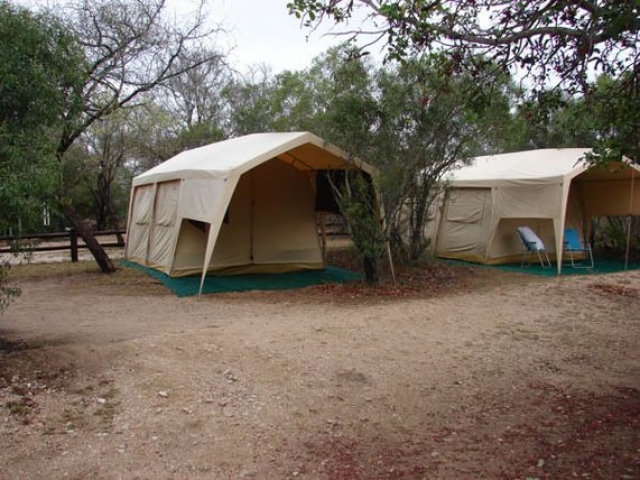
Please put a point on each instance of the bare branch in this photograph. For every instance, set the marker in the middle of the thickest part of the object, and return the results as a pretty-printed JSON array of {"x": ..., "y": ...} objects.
[{"x": 132, "y": 49}]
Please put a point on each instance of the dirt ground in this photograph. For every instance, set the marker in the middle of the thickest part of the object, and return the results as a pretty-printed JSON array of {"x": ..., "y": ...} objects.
[{"x": 463, "y": 373}]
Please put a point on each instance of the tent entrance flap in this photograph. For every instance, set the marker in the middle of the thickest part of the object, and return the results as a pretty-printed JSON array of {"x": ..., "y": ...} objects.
[
  {"x": 270, "y": 221},
  {"x": 190, "y": 247}
]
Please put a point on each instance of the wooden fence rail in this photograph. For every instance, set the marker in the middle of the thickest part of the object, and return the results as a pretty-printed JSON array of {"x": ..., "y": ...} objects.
[{"x": 69, "y": 238}]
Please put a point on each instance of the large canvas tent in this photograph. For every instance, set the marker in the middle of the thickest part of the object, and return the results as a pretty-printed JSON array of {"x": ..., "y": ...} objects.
[
  {"x": 244, "y": 205},
  {"x": 548, "y": 190}
]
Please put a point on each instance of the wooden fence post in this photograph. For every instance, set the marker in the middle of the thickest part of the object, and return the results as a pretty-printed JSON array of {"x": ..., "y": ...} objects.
[{"x": 73, "y": 239}]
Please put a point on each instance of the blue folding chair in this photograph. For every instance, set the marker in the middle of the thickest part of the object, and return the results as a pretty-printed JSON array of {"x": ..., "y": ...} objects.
[
  {"x": 534, "y": 245},
  {"x": 578, "y": 252}
]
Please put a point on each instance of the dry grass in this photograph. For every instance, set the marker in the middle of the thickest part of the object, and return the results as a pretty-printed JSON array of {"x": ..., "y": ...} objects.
[
  {"x": 86, "y": 275},
  {"x": 41, "y": 271}
]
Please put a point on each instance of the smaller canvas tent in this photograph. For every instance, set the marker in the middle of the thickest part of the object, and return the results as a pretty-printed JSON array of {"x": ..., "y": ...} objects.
[
  {"x": 243, "y": 205},
  {"x": 548, "y": 190}
]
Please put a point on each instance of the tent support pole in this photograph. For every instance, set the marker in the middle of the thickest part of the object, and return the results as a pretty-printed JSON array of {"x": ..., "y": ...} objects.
[
  {"x": 626, "y": 254},
  {"x": 201, "y": 286},
  {"x": 323, "y": 230},
  {"x": 389, "y": 256}
]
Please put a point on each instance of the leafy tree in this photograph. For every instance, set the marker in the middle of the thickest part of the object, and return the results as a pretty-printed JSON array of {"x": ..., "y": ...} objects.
[
  {"x": 565, "y": 38},
  {"x": 430, "y": 121},
  {"x": 562, "y": 43},
  {"x": 39, "y": 48},
  {"x": 605, "y": 119},
  {"x": 612, "y": 110},
  {"x": 356, "y": 199},
  {"x": 548, "y": 119},
  {"x": 96, "y": 179},
  {"x": 345, "y": 113},
  {"x": 152, "y": 134},
  {"x": 295, "y": 100},
  {"x": 249, "y": 103},
  {"x": 345, "y": 110},
  {"x": 263, "y": 102}
]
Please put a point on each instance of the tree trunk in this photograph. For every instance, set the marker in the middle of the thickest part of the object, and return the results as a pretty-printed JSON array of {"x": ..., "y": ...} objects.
[
  {"x": 103, "y": 194},
  {"x": 86, "y": 233},
  {"x": 370, "y": 267}
]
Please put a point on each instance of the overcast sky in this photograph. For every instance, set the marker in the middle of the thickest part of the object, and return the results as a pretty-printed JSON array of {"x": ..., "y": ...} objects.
[
  {"x": 263, "y": 32},
  {"x": 259, "y": 32}
]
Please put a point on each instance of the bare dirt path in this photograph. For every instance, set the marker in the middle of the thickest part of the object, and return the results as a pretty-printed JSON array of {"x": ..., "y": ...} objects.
[{"x": 499, "y": 377}]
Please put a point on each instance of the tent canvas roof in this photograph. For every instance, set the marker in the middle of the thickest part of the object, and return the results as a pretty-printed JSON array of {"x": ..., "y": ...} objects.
[
  {"x": 527, "y": 165},
  {"x": 235, "y": 156}
]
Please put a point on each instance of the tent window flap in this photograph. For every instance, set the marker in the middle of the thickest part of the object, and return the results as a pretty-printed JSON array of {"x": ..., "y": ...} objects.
[
  {"x": 167, "y": 203},
  {"x": 142, "y": 205},
  {"x": 466, "y": 206}
]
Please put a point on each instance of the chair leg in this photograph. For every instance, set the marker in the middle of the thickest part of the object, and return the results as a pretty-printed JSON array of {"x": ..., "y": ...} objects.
[
  {"x": 529, "y": 253},
  {"x": 586, "y": 262},
  {"x": 590, "y": 253},
  {"x": 543, "y": 259}
]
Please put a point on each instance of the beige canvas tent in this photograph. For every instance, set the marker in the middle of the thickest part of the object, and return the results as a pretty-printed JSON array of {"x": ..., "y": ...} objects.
[
  {"x": 243, "y": 205},
  {"x": 548, "y": 190}
]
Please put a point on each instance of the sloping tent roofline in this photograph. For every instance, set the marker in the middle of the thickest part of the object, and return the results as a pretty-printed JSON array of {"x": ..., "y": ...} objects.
[
  {"x": 531, "y": 166},
  {"x": 224, "y": 162},
  {"x": 233, "y": 157},
  {"x": 543, "y": 166}
]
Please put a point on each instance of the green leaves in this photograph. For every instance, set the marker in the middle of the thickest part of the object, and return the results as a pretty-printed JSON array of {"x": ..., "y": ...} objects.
[
  {"x": 41, "y": 68},
  {"x": 563, "y": 41}
]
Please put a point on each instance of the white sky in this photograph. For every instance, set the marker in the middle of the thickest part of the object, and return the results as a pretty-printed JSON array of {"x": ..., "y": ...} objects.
[
  {"x": 263, "y": 32},
  {"x": 260, "y": 32}
]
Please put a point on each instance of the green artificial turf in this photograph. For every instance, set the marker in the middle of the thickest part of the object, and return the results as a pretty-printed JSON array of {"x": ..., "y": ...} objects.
[
  {"x": 188, "y": 286},
  {"x": 601, "y": 265}
]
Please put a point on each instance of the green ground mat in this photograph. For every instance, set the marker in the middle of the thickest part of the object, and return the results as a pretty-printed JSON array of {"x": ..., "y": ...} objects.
[
  {"x": 188, "y": 286},
  {"x": 601, "y": 265}
]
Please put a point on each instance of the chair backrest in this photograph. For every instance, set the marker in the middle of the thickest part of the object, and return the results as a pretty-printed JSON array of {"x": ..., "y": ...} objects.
[
  {"x": 530, "y": 239},
  {"x": 572, "y": 239}
]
